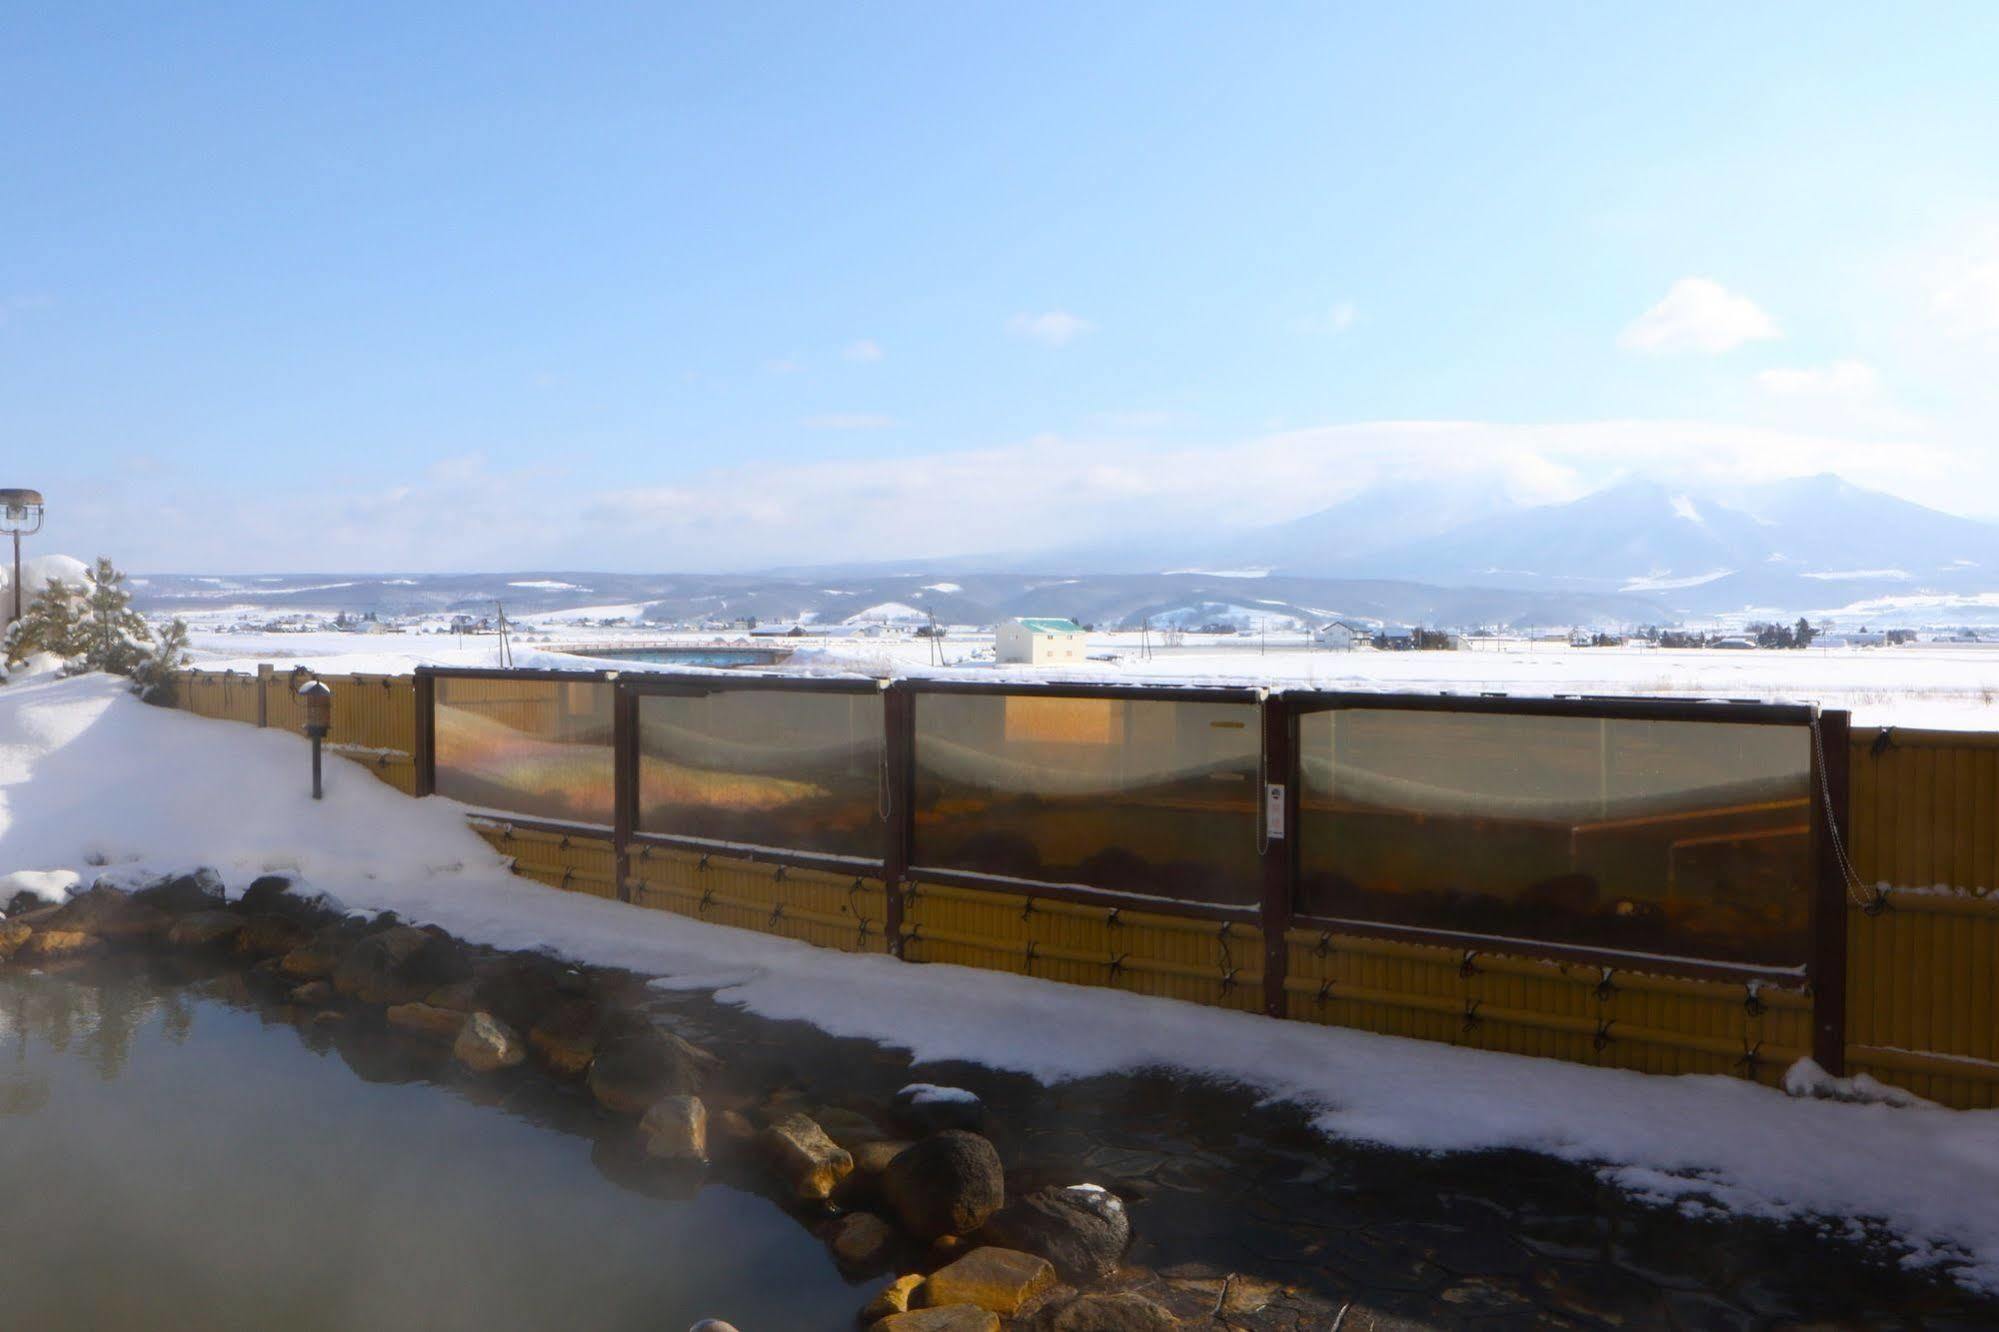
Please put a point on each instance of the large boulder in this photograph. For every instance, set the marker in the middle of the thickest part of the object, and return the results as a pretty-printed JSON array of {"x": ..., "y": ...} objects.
[
  {"x": 110, "y": 914},
  {"x": 485, "y": 1044},
  {"x": 958, "y": 1318},
  {"x": 200, "y": 890},
  {"x": 318, "y": 956},
  {"x": 1113, "y": 1311},
  {"x": 565, "y": 1040},
  {"x": 438, "y": 1024},
  {"x": 947, "y": 1184},
  {"x": 641, "y": 1065},
  {"x": 891, "y": 1299},
  {"x": 53, "y": 945},
  {"x": 1082, "y": 1229},
  {"x": 860, "y": 1241},
  {"x": 12, "y": 935},
  {"x": 520, "y": 989},
  {"x": 205, "y": 929},
  {"x": 675, "y": 1128},
  {"x": 270, "y": 935},
  {"x": 386, "y": 967},
  {"x": 282, "y": 895},
  {"x": 990, "y": 1277},
  {"x": 810, "y": 1163}
]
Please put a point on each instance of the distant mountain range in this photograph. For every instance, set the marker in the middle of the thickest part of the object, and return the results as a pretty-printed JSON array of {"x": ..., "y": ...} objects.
[{"x": 1458, "y": 555}]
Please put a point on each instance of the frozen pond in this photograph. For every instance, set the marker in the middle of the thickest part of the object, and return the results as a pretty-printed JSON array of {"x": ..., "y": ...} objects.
[{"x": 174, "y": 1159}]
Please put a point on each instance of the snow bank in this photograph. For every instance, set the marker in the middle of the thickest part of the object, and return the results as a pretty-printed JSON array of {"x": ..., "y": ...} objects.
[{"x": 88, "y": 775}]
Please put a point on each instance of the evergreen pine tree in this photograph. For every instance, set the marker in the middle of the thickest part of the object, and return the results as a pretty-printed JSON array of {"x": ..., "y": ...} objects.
[
  {"x": 115, "y": 637},
  {"x": 157, "y": 674},
  {"x": 50, "y": 623}
]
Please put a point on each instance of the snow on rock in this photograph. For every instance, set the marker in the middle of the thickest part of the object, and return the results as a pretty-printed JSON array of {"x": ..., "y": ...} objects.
[
  {"x": 38, "y": 572},
  {"x": 49, "y": 885},
  {"x": 87, "y": 773}
]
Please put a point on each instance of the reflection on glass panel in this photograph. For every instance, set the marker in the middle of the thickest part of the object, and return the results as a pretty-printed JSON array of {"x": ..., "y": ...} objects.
[
  {"x": 1134, "y": 795},
  {"x": 1687, "y": 838},
  {"x": 539, "y": 748},
  {"x": 776, "y": 768}
]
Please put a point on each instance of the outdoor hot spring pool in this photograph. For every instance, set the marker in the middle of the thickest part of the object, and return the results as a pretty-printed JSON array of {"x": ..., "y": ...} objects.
[{"x": 175, "y": 1157}]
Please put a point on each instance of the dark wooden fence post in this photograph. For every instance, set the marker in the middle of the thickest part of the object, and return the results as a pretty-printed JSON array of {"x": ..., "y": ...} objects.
[
  {"x": 624, "y": 780},
  {"x": 1278, "y": 821},
  {"x": 899, "y": 737},
  {"x": 1829, "y": 912},
  {"x": 424, "y": 733},
  {"x": 263, "y": 693}
]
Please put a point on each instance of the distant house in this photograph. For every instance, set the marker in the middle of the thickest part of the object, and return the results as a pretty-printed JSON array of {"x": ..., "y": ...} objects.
[
  {"x": 1734, "y": 643},
  {"x": 1039, "y": 642},
  {"x": 1339, "y": 637}
]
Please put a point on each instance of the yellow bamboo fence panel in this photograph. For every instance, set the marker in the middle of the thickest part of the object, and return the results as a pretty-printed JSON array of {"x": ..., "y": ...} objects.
[
  {"x": 833, "y": 910},
  {"x": 575, "y": 862},
  {"x": 1581, "y": 1013},
  {"x": 1923, "y": 930},
  {"x": 374, "y": 716},
  {"x": 1145, "y": 952}
]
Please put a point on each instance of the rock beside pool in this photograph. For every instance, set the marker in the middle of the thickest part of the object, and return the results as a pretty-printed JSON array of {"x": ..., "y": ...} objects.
[
  {"x": 947, "y": 1184},
  {"x": 110, "y": 914},
  {"x": 641, "y": 1064},
  {"x": 317, "y": 957},
  {"x": 1083, "y": 1229},
  {"x": 957, "y": 1318},
  {"x": 1117, "y": 1311},
  {"x": 51, "y": 945},
  {"x": 440, "y": 1024},
  {"x": 282, "y": 895},
  {"x": 205, "y": 929},
  {"x": 386, "y": 967},
  {"x": 930, "y": 1108},
  {"x": 675, "y": 1128},
  {"x": 565, "y": 1041},
  {"x": 996, "y": 1279},
  {"x": 810, "y": 1163},
  {"x": 860, "y": 1240},
  {"x": 312, "y": 994},
  {"x": 12, "y": 935},
  {"x": 184, "y": 893},
  {"x": 485, "y": 1044},
  {"x": 520, "y": 989},
  {"x": 271, "y": 935},
  {"x": 891, "y": 1299}
]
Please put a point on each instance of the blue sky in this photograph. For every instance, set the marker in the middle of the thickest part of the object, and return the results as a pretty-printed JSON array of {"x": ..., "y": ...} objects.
[{"x": 437, "y": 287}]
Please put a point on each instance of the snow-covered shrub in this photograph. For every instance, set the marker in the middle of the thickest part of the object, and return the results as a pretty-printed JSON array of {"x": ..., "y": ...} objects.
[{"x": 96, "y": 629}]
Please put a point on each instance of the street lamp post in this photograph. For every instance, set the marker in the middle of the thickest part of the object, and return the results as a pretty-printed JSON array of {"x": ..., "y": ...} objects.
[
  {"x": 20, "y": 515},
  {"x": 318, "y": 721}
]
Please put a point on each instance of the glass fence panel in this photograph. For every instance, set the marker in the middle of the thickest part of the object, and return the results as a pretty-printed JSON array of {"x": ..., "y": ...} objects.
[
  {"x": 1134, "y": 795},
  {"x": 792, "y": 770},
  {"x": 538, "y": 748},
  {"x": 1686, "y": 838}
]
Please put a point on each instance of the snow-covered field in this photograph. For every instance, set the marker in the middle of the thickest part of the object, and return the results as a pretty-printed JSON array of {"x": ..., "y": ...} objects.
[
  {"x": 1922, "y": 684},
  {"x": 94, "y": 782}
]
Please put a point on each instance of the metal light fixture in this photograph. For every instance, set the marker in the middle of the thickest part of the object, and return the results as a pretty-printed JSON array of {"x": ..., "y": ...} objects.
[
  {"x": 318, "y": 700},
  {"x": 20, "y": 515}
]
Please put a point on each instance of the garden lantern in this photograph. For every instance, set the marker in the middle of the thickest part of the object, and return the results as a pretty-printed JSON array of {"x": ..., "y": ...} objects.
[
  {"x": 20, "y": 515},
  {"x": 318, "y": 701}
]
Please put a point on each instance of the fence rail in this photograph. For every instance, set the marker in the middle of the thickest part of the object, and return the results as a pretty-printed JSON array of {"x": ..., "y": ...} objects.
[{"x": 1163, "y": 841}]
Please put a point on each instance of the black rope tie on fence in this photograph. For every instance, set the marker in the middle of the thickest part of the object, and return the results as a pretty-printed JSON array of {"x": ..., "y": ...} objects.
[
  {"x": 563, "y": 845},
  {"x": 1856, "y": 891},
  {"x": 1468, "y": 968},
  {"x": 1027, "y": 958},
  {"x": 1113, "y": 920},
  {"x": 777, "y": 875},
  {"x": 1883, "y": 742},
  {"x": 1027, "y": 909},
  {"x": 1324, "y": 948},
  {"x": 702, "y": 863},
  {"x": 568, "y": 873},
  {"x": 707, "y": 900},
  {"x": 1325, "y": 991},
  {"x": 1606, "y": 987},
  {"x": 1228, "y": 962},
  {"x": 1602, "y": 1037},
  {"x": 1117, "y": 965},
  {"x": 1750, "y": 1059},
  {"x": 1471, "y": 1019},
  {"x": 1879, "y": 903},
  {"x": 776, "y": 913},
  {"x": 1752, "y": 1003}
]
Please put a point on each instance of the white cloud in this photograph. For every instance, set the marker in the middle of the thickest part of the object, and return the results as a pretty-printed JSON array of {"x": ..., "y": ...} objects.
[
  {"x": 849, "y": 421},
  {"x": 1841, "y": 379},
  {"x": 1335, "y": 319},
  {"x": 1056, "y": 328},
  {"x": 1698, "y": 315},
  {"x": 1964, "y": 290},
  {"x": 863, "y": 349}
]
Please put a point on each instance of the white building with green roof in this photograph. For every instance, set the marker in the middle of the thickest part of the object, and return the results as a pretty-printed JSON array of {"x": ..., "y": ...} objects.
[{"x": 1036, "y": 641}]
